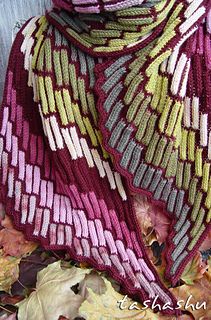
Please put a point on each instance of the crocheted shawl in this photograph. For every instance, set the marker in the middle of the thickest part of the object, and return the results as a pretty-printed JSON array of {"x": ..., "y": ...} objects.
[{"x": 102, "y": 98}]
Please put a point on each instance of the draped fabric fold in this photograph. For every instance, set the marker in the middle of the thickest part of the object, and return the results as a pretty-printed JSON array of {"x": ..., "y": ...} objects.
[{"x": 105, "y": 98}]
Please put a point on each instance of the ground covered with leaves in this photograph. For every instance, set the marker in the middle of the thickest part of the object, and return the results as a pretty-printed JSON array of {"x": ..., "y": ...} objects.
[{"x": 45, "y": 285}]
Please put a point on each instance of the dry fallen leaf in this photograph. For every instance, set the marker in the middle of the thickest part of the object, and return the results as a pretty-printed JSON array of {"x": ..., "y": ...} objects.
[
  {"x": 199, "y": 295},
  {"x": 53, "y": 296},
  {"x": 93, "y": 281},
  {"x": 9, "y": 271},
  {"x": 151, "y": 218},
  {"x": 106, "y": 307},
  {"x": 194, "y": 270},
  {"x": 13, "y": 242}
]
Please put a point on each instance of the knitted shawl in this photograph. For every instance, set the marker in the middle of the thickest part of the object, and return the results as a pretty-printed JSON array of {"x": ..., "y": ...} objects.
[{"x": 104, "y": 98}]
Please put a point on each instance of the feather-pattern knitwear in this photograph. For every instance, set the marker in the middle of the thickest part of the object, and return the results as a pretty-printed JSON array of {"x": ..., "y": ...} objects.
[{"x": 105, "y": 98}]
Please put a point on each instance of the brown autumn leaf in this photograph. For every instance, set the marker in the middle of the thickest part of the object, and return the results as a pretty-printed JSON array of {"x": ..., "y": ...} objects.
[
  {"x": 13, "y": 242},
  {"x": 160, "y": 222},
  {"x": 94, "y": 281},
  {"x": 153, "y": 221},
  {"x": 196, "y": 298},
  {"x": 194, "y": 270}
]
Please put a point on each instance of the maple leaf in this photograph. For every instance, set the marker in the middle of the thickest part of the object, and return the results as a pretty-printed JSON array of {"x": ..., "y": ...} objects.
[
  {"x": 9, "y": 271},
  {"x": 194, "y": 270},
  {"x": 13, "y": 242},
  {"x": 53, "y": 296},
  {"x": 199, "y": 295},
  {"x": 151, "y": 218},
  {"x": 105, "y": 306}
]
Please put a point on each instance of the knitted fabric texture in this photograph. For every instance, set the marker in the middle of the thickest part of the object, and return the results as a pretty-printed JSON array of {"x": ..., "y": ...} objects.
[{"x": 96, "y": 106}]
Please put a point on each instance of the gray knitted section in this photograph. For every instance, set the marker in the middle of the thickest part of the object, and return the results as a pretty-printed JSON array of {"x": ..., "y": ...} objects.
[
  {"x": 181, "y": 233},
  {"x": 58, "y": 37},
  {"x": 81, "y": 23},
  {"x": 114, "y": 115},
  {"x": 74, "y": 53},
  {"x": 124, "y": 139},
  {"x": 177, "y": 262},
  {"x": 113, "y": 80},
  {"x": 166, "y": 191},
  {"x": 155, "y": 181},
  {"x": 179, "y": 202},
  {"x": 182, "y": 218},
  {"x": 136, "y": 157},
  {"x": 180, "y": 247},
  {"x": 70, "y": 22},
  {"x": 159, "y": 189},
  {"x": 116, "y": 133},
  {"x": 139, "y": 174},
  {"x": 127, "y": 154},
  {"x": 112, "y": 97},
  {"x": 147, "y": 178},
  {"x": 116, "y": 65},
  {"x": 171, "y": 200},
  {"x": 91, "y": 65},
  {"x": 57, "y": 18}
]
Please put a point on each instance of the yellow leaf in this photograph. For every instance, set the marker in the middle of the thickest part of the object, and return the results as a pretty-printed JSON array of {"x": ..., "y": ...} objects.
[
  {"x": 9, "y": 271},
  {"x": 53, "y": 296},
  {"x": 106, "y": 307}
]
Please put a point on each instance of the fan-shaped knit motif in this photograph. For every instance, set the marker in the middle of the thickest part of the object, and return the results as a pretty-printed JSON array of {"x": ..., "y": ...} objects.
[{"x": 98, "y": 105}]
